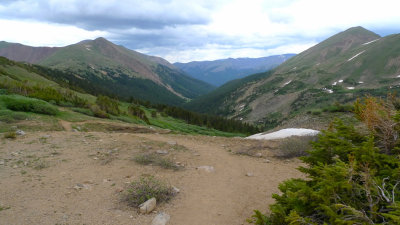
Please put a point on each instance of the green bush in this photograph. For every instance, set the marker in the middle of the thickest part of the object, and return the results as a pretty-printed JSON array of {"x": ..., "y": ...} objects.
[
  {"x": 155, "y": 159},
  {"x": 8, "y": 116},
  {"x": 146, "y": 188},
  {"x": 108, "y": 105},
  {"x": 19, "y": 103},
  {"x": 352, "y": 178},
  {"x": 10, "y": 135},
  {"x": 135, "y": 110},
  {"x": 97, "y": 112}
]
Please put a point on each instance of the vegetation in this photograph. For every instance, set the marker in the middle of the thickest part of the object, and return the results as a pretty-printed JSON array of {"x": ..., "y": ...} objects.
[
  {"x": 146, "y": 188},
  {"x": 155, "y": 159},
  {"x": 295, "y": 146},
  {"x": 19, "y": 103},
  {"x": 10, "y": 135},
  {"x": 353, "y": 176}
]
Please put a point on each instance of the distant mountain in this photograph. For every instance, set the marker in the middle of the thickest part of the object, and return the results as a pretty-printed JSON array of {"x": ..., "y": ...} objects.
[
  {"x": 125, "y": 73},
  {"x": 340, "y": 69},
  {"x": 221, "y": 71}
]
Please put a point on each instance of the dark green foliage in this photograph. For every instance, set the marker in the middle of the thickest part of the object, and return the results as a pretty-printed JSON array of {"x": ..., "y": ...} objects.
[
  {"x": 135, "y": 110},
  {"x": 28, "y": 105},
  {"x": 146, "y": 188},
  {"x": 108, "y": 105},
  {"x": 97, "y": 112},
  {"x": 349, "y": 181}
]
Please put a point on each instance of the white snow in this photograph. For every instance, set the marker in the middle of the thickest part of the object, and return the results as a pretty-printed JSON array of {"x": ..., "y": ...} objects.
[
  {"x": 334, "y": 83},
  {"x": 370, "y": 42},
  {"x": 240, "y": 118},
  {"x": 88, "y": 49},
  {"x": 340, "y": 81},
  {"x": 284, "y": 133},
  {"x": 287, "y": 83},
  {"x": 330, "y": 91},
  {"x": 350, "y": 88},
  {"x": 294, "y": 68},
  {"x": 360, "y": 82},
  {"x": 355, "y": 56},
  {"x": 398, "y": 75}
]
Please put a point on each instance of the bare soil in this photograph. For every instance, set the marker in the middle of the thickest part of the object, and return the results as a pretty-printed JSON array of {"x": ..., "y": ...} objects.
[{"x": 67, "y": 177}]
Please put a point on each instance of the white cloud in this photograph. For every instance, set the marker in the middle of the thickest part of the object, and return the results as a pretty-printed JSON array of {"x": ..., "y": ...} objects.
[{"x": 44, "y": 34}]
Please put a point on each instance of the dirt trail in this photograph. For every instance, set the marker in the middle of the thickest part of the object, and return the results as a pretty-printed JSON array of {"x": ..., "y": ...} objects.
[{"x": 76, "y": 178}]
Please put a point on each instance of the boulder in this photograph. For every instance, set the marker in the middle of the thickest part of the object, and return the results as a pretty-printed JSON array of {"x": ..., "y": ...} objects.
[
  {"x": 20, "y": 132},
  {"x": 148, "y": 206},
  {"x": 161, "y": 219}
]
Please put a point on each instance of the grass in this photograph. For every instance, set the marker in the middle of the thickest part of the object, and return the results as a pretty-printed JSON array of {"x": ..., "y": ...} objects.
[
  {"x": 10, "y": 135},
  {"x": 145, "y": 188},
  {"x": 155, "y": 159},
  {"x": 24, "y": 104}
]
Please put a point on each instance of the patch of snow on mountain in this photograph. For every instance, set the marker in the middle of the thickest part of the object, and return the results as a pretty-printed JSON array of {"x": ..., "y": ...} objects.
[
  {"x": 360, "y": 82},
  {"x": 340, "y": 81},
  {"x": 334, "y": 83},
  {"x": 355, "y": 56},
  {"x": 398, "y": 75},
  {"x": 287, "y": 83},
  {"x": 370, "y": 42},
  {"x": 350, "y": 88},
  {"x": 284, "y": 133}
]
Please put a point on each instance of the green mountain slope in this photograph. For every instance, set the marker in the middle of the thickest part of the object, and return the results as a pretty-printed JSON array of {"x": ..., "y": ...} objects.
[
  {"x": 125, "y": 73},
  {"x": 340, "y": 69}
]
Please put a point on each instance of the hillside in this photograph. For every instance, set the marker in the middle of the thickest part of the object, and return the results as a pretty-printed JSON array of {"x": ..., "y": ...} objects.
[
  {"x": 218, "y": 72},
  {"x": 340, "y": 69},
  {"x": 125, "y": 73}
]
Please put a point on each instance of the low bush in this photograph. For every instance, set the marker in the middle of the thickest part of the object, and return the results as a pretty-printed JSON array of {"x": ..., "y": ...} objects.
[
  {"x": 146, "y": 188},
  {"x": 155, "y": 159},
  {"x": 8, "y": 116},
  {"x": 19, "y": 103},
  {"x": 10, "y": 135},
  {"x": 295, "y": 146}
]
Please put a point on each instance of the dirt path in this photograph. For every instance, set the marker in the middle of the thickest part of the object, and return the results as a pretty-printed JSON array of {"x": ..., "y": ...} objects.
[{"x": 76, "y": 178}]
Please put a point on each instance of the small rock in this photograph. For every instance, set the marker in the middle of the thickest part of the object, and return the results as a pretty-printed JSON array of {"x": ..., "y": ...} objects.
[
  {"x": 250, "y": 174},
  {"x": 196, "y": 154},
  {"x": 120, "y": 189},
  {"x": 171, "y": 142},
  {"x": 209, "y": 169},
  {"x": 161, "y": 219},
  {"x": 78, "y": 186},
  {"x": 20, "y": 132},
  {"x": 175, "y": 190},
  {"x": 95, "y": 158},
  {"x": 1, "y": 162},
  {"x": 259, "y": 155},
  {"x": 74, "y": 130},
  {"x": 162, "y": 152},
  {"x": 148, "y": 206},
  {"x": 15, "y": 166},
  {"x": 46, "y": 136}
]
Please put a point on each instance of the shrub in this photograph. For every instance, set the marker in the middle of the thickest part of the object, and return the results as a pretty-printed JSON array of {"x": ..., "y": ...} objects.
[
  {"x": 8, "y": 116},
  {"x": 146, "y": 188},
  {"x": 97, "y": 112},
  {"x": 135, "y": 110},
  {"x": 352, "y": 178},
  {"x": 295, "y": 146},
  {"x": 152, "y": 158},
  {"x": 29, "y": 105},
  {"x": 10, "y": 135},
  {"x": 108, "y": 105}
]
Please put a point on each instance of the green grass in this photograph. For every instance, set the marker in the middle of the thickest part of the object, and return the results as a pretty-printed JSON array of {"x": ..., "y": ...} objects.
[
  {"x": 155, "y": 159},
  {"x": 24, "y": 104}
]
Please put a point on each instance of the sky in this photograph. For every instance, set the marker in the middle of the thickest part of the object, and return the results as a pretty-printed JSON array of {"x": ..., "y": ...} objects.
[{"x": 194, "y": 30}]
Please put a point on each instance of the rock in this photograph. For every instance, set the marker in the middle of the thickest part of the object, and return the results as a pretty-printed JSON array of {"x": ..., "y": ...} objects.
[
  {"x": 1, "y": 162},
  {"x": 196, "y": 154},
  {"x": 171, "y": 142},
  {"x": 249, "y": 174},
  {"x": 148, "y": 206},
  {"x": 162, "y": 152},
  {"x": 259, "y": 155},
  {"x": 209, "y": 169},
  {"x": 161, "y": 219},
  {"x": 46, "y": 136},
  {"x": 267, "y": 161},
  {"x": 74, "y": 130},
  {"x": 20, "y": 132},
  {"x": 175, "y": 190}
]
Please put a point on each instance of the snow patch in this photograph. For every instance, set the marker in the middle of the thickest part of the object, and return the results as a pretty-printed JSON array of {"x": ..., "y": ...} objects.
[
  {"x": 334, "y": 83},
  {"x": 366, "y": 43},
  {"x": 360, "y": 82},
  {"x": 350, "y": 88},
  {"x": 240, "y": 118},
  {"x": 88, "y": 49},
  {"x": 398, "y": 76},
  {"x": 284, "y": 133},
  {"x": 287, "y": 83},
  {"x": 340, "y": 81},
  {"x": 330, "y": 91},
  {"x": 355, "y": 56}
]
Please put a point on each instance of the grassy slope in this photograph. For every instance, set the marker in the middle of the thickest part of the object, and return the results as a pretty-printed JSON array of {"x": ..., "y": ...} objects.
[{"x": 29, "y": 121}]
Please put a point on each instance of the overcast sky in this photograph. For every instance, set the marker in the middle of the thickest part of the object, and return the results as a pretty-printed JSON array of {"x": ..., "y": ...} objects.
[{"x": 188, "y": 30}]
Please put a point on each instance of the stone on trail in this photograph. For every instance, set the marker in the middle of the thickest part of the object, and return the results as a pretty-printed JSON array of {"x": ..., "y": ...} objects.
[
  {"x": 148, "y": 206},
  {"x": 162, "y": 152},
  {"x": 20, "y": 132},
  {"x": 209, "y": 169},
  {"x": 161, "y": 219}
]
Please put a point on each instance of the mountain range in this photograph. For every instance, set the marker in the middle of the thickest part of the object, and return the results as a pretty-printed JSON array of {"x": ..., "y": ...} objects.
[
  {"x": 340, "y": 69},
  {"x": 114, "y": 69},
  {"x": 220, "y": 71}
]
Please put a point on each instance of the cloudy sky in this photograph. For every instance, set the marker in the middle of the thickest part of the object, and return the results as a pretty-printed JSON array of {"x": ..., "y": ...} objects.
[{"x": 188, "y": 30}]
